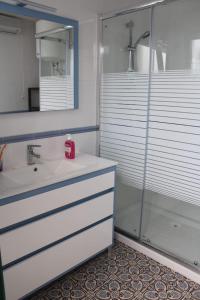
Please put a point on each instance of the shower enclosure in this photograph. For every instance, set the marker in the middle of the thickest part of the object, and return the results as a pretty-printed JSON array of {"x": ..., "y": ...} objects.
[{"x": 150, "y": 123}]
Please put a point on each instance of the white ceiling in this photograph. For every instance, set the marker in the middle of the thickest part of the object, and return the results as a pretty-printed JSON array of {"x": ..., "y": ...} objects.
[
  {"x": 104, "y": 6},
  {"x": 84, "y": 9}
]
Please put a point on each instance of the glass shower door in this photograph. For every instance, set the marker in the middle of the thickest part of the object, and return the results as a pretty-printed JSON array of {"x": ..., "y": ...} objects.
[
  {"x": 124, "y": 99},
  {"x": 171, "y": 212}
]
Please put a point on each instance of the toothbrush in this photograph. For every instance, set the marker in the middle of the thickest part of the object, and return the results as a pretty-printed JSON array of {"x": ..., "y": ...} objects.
[{"x": 2, "y": 151}]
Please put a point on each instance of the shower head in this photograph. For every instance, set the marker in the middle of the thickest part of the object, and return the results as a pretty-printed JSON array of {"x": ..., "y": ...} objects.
[
  {"x": 130, "y": 26},
  {"x": 132, "y": 48},
  {"x": 145, "y": 35}
]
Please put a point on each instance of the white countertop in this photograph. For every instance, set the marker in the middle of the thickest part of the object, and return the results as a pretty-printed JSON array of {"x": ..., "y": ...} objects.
[{"x": 91, "y": 163}]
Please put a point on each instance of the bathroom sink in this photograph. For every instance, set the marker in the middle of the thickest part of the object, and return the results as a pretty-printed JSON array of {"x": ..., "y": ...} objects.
[
  {"x": 45, "y": 171},
  {"x": 28, "y": 175},
  {"x": 61, "y": 167}
]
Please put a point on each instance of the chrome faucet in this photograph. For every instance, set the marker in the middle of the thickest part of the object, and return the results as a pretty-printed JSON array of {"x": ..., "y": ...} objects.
[{"x": 31, "y": 155}]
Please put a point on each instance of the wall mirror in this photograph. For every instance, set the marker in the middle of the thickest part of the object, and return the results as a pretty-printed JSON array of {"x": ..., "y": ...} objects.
[{"x": 38, "y": 61}]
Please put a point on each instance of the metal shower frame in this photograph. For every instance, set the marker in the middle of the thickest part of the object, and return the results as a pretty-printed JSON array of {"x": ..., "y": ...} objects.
[{"x": 151, "y": 5}]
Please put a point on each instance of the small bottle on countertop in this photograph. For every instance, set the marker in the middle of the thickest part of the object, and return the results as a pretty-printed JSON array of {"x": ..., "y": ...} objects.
[{"x": 70, "y": 148}]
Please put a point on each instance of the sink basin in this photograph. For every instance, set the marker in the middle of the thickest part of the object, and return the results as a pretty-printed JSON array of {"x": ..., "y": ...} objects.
[
  {"x": 62, "y": 167},
  {"x": 38, "y": 172},
  {"x": 28, "y": 175}
]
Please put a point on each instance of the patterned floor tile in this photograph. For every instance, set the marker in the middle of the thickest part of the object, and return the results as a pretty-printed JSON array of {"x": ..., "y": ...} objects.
[
  {"x": 125, "y": 274},
  {"x": 115, "y": 290},
  {"x": 91, "y": 276},
  {"x": 158, "y": 290},
  {"x": 194, "y": 293},
  {"x": 64, "y": 289}
]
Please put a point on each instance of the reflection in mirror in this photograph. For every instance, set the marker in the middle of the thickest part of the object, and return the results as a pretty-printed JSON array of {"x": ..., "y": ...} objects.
[
  {"x": 37, "y": 65},
  {"x": 55, "y": 54}
]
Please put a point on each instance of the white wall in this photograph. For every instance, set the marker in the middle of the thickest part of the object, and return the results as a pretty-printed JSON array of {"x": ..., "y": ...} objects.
[
  {"x": 51, "y": 149},
  {"x": 176, "y": 38},
  {"x": 86, "y": 9}
]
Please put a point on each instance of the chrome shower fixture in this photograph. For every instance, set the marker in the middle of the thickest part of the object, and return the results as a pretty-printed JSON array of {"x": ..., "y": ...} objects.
[
  {"x": 133, "y": 47},
  {"x": 130, "y": 26},
  {"x": 145, "y": 35}
]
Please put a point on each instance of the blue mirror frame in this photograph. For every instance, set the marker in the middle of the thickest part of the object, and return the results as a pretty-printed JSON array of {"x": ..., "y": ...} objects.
[{"x": 27, "y": 12}]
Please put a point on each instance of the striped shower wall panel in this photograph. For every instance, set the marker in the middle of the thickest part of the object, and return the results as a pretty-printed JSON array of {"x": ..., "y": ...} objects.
[
  {"x": 56, "y": 93},
  {"x": 123, "y": 124},
  {"x": 173, "y": 157},
  {"x": 173, "y": 149}
]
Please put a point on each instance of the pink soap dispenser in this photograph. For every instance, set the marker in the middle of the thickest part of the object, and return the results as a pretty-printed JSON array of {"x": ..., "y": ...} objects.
[{"x": 70, "y": 148}]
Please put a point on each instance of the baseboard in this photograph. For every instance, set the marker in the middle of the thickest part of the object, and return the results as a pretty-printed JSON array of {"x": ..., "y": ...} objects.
[{"x": 162, "y": 259}]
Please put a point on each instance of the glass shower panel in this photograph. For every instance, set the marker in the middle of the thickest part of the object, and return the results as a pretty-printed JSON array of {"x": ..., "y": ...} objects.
[
  {"x": 124, "y": 99},
  {"x": 171, "y": 212}
]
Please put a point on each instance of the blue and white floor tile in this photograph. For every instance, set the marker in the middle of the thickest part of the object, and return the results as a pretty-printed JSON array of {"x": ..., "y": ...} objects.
[{"x": 125, "y": 274}]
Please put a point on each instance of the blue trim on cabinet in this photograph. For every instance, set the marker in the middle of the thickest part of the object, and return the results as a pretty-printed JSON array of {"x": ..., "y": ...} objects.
[
  {"x": 114, "y": 204},
  {"x": 54, "y": 211},
  {"x": 21, "y": 4},
  {"x": 42, "y": 249},
  {"x": 23, "y": 11},
  {"x": 26, "y": 297},
  {"x": 13, "y": 112},
  {"x": 46, "y": 134},
  {"x": 2, "y": 289},
  {"x": 54, "y": 186}
]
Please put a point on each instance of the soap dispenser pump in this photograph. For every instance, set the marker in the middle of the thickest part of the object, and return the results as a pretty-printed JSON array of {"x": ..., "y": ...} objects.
[{"x": 70, "y": 148}]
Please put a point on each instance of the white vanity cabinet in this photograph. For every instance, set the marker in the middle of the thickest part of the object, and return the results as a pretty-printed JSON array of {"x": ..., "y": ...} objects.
[{"x": 48, "y": 231}]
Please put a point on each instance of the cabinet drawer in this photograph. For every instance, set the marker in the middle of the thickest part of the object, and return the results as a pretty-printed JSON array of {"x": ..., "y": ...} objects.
[
  {"x": 27, "y": 208},
  {"x": 33, "y": 236},
  {"x": 28, "y": 275}
]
